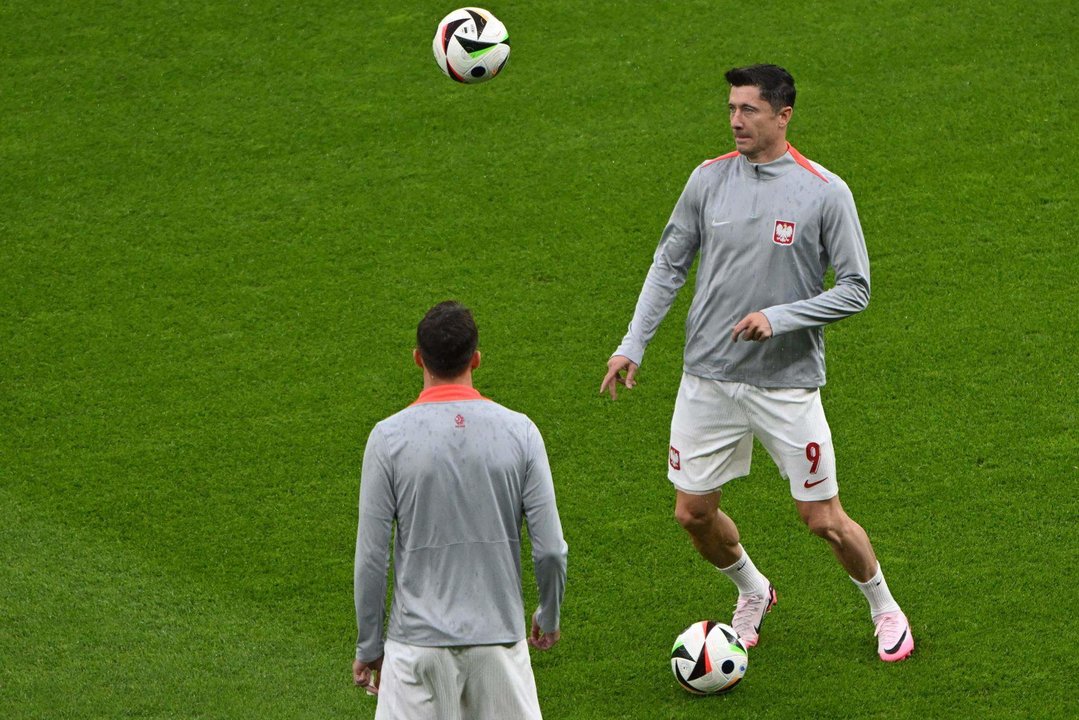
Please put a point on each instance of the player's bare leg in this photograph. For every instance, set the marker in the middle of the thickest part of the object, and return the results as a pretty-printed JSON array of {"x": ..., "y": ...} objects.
[
  {"x": 712, "y": 531},
  {"x": 850, "y": 543},
  {"x": 827, "y": 519},
  {"x": 716, "y": 538}
]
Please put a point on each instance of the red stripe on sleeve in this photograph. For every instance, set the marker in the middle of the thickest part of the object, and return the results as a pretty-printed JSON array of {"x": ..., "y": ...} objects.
[{"x": 728, "y": 156}]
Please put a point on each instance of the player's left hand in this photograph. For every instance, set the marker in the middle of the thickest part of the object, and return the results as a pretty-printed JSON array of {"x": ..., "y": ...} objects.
[
  {"x": 367, "y": 675},
  {"x": 542, "y": 640},
  {"x": 754, "y": 326}
]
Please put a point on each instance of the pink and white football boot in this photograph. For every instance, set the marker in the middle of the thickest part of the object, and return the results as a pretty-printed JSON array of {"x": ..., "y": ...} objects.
[
  {"x": 749, "y": 615},
  {"x": 894, "y": 639}
]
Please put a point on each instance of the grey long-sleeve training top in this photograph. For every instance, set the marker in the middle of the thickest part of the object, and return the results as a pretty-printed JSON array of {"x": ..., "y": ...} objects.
[
  {"x": 766, "y": 234},
  {"x": 458, "y": 474}
]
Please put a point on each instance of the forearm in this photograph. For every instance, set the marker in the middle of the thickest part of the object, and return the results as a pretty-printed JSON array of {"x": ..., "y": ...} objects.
[
  {"x": 845, "y": 299},
  {"x": 550, "y": 569},
  {"x": 369, "y": 589},
  {"x": 661, "y": 287}
]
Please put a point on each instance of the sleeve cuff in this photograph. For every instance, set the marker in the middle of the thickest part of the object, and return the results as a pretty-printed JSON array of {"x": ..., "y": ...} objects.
[
  {"x": 633, "y": 352},
  {"x": 368, "y": 656},
  {"x": 775, "y": 320}
]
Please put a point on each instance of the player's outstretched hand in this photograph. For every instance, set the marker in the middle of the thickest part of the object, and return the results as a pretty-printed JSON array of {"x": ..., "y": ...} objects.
[
  {"x": 367, "y": 675},
  {"x": 542, "y": 640},
  {"x": 754, "y": 326},
  {"x": 615, "y": 366}
]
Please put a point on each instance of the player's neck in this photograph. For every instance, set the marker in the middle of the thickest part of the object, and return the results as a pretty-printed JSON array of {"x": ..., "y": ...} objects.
[
  {"x": 430, "y": 381},
  {"x": 770, "y": 154}
]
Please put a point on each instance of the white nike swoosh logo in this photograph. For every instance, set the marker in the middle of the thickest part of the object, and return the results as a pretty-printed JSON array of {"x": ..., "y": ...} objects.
[{"x": 719, "y": 223}]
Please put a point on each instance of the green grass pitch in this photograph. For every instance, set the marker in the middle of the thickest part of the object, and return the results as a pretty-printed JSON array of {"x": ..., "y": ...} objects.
[{"x": 220, "y": 223}]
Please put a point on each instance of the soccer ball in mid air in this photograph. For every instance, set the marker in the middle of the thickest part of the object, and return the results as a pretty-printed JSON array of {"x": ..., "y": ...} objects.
[
  {"x": 471, "y": 45},
  {"x": 708, "y": 658}
]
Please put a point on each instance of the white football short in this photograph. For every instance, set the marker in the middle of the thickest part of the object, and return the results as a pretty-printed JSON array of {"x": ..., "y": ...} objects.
[
  {"x": 714, "y": 424},
  {"x": 475, "y": 682}
]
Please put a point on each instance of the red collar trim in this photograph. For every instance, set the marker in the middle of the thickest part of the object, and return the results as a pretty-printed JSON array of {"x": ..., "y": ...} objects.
[
  {"x": 801, "y": 160},
  {"x": 448, "y": 393}
]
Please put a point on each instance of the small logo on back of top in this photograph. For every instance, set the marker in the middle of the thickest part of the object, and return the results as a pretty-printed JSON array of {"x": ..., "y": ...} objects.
[
  {"x": 459, "y": 421},
  {"x": 784, "y": 232}
]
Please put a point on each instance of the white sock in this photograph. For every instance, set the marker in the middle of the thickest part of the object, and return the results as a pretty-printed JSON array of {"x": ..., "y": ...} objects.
[
  {"x": 877, "y": 593},
  {"x": 746, "y": 576}
]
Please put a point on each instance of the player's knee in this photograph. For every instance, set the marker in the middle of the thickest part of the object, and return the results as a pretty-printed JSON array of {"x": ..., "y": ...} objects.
[
  {"x": 824, "y": 524},
  {"x": 694, "y": 517},
  {"x": 824, "y": 529}
]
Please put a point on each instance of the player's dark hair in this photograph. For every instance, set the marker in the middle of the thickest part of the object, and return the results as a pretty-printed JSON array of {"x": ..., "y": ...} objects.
[
  {"x": 775, "y": 83},
  {"x": 447, "y": 338}
]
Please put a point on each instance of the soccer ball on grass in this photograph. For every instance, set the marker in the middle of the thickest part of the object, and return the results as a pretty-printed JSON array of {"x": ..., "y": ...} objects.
[
  {"x": 471, "y": 45},
  {"x": 708, "y": 658}
]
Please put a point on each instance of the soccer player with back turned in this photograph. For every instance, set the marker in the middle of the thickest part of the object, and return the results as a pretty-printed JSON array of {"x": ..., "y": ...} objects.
[
  {"x": 458, "y": 475},
  {"x": 767, "y": 223}
]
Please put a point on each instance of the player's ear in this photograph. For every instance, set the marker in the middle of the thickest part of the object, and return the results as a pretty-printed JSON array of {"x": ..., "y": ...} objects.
[
  {"x": 475, "y": 361},
  {"x": 417, "y": 358},
  {"x": 785, "y": 116}
]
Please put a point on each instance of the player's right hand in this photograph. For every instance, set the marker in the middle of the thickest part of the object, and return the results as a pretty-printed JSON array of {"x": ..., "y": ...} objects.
[
  {"x": 367, "y": 675},
  {"x": 613, "y": 378}
]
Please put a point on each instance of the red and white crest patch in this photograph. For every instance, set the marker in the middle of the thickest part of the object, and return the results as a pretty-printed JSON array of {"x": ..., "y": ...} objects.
[
  {"x": 675, "y": 458},
  {"x": 784, "y": 232}
]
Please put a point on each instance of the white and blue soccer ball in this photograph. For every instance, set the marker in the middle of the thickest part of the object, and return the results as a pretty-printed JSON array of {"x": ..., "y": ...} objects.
[
  {"x": 708, "y": 658},
  {"x": 471, "y": 45}
]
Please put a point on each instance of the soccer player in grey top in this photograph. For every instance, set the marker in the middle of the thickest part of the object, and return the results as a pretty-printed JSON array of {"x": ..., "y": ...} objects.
[
  {"x": 457, "y": 474},
  {"x": 767, "y": 223}
]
